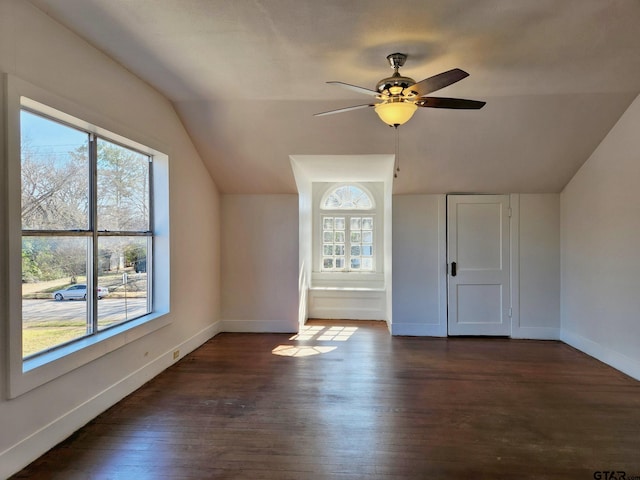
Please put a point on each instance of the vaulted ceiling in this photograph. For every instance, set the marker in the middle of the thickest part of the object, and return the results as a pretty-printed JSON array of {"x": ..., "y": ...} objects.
[{"x": 246, "y": 77}]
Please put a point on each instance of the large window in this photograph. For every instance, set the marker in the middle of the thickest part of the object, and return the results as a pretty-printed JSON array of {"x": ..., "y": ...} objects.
[
  {"x": 87, "y": 237},
  {"x": 347, "y": 231}
]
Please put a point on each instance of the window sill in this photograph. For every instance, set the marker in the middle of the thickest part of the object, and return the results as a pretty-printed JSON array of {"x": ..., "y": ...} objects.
[
  {"x": 348, "y": 280},
  {"x": 43, "y": 368},
  {"x": 348, "y": 289}
]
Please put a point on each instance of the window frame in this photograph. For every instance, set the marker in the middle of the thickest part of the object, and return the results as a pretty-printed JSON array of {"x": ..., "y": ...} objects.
[
  {"x": 93, "y": 233},
  {"x": 348, "y": 215},
  {"x": 28, "y": 373},
  {"x": 320, "y": 211}
]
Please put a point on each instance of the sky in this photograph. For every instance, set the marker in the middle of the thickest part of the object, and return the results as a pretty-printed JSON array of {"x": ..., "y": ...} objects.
[{"x": 48, "y": 138}]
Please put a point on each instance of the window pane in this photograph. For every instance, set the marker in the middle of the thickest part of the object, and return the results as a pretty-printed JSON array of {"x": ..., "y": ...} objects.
[
  {"x": 122, "y": 279},
  {"x": 327, "y": 263},
  {"x": 333, "y": 201},
  {"x": 55, "y": 175},
  {"x": 351, "y": 247},
  {"x": 327, "y": 237},
  {"x": 123, "y": 188},
  {"x": 54, "y": 279},
  {"x": 348, "y": 197}
]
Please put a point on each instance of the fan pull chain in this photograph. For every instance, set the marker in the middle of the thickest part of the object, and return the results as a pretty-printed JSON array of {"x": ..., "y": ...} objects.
[{"x": 397, "y": 163}]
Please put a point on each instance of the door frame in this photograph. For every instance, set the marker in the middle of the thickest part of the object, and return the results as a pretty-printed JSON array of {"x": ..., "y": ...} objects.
[{"x": 514, "y": 262}]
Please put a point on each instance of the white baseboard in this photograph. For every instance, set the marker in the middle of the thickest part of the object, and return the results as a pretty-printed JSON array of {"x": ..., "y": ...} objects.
[
  {"x": 30, "y": 448},
  {"x": 438, "y": 330},
  {"x": 536, "y": 333},
  {"x": 259, "y": 326},
  {"x": 625, "y": 364},
  {"x": 419, "y": 330}
]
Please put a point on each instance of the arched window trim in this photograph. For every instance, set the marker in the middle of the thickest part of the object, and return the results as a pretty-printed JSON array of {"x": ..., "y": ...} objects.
[{"x": 334, "y": 188}]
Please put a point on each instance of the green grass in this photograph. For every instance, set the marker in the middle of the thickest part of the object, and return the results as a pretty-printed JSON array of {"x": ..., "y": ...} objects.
[
  {"x": 40, "y": 336},
  {"x": 80, "y": 322},
  {"x": 37, "y": 338}
]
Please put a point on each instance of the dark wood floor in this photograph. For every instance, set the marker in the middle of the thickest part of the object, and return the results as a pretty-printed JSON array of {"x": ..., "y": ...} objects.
[{"x": 350, "y": 402}]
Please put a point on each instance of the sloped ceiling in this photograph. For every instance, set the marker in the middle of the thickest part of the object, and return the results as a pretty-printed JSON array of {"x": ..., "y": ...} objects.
[{"x": 246, "y": 77}]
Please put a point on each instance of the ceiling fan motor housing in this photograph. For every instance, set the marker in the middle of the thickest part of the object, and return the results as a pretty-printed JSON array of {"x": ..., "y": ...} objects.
[
  {"x": 396, "y": 80},
  {"x": 396, "y": 60}
]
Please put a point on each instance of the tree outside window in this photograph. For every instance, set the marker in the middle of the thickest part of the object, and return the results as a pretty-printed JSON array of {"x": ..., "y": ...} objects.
[{"x": 86, "y": 224}]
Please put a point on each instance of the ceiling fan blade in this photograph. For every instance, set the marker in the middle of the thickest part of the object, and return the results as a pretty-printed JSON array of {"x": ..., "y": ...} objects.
[
  {"x": 346, "y": 109},
  {"x": 355, "y": 88},
  {"x": 444, "y": 79},
  {"x": 456, "y": 103}
]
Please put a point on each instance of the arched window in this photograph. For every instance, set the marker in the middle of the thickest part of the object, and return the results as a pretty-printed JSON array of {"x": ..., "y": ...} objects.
[
  {"x": 347, "y": 197},
  {"x": 347, "y": 229}
]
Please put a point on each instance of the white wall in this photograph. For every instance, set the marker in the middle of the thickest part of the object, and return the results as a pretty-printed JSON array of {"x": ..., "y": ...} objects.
[
  {"x": 38, "y": 50},
  {"x": 305, "y": 247},
  {"x": 539, "y": 267},
  {"x": 600, "y": 218},
  {"x": 260, "y": 263},
  {"x": 419, "y": 289}
]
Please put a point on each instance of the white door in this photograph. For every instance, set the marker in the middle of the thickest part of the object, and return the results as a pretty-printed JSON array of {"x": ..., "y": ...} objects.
[{"x": 478, "y": 265}]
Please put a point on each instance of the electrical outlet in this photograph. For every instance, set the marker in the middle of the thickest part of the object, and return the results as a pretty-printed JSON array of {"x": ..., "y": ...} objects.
[{"x": 176, "y": 354}]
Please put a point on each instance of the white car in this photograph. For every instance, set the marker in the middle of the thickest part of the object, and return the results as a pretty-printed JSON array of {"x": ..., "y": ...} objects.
[{"x": 78, "y": 292}]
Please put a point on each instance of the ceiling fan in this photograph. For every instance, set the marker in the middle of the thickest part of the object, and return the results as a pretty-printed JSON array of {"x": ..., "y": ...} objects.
[{"x": 400, "y": 96}]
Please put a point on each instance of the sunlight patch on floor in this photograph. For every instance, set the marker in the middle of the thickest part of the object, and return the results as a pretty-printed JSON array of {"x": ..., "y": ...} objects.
[
  {"x": 318, "y": 333},
  {"x": 308, "y": 332},
  {"x": 327, "y": 334},
  {"x": 300, "y": 351},
  {"x": 338, "y": 334}
]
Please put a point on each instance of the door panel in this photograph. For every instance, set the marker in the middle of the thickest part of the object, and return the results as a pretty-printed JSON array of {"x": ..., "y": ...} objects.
[
  {"x": 479, "y": 303},
  {"x": 478, "y": 243}
]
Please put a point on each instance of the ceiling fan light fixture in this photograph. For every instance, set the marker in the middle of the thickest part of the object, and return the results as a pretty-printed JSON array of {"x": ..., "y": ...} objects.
[
  {"x": 399, "y": 96},
  {"x": 395, "y": 113}
]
